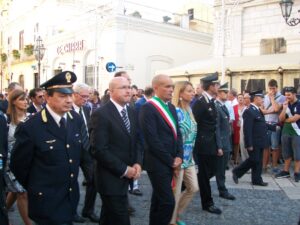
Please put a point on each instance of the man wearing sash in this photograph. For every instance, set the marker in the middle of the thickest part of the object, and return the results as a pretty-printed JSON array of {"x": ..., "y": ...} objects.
[
  {"x": 206, "y": 150},
  {"x": 290, "y": 138},
  {"x": 163, "y": 148}
]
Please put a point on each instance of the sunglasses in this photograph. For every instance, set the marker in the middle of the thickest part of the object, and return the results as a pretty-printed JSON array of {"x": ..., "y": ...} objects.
[{"x": 40, "y": 96}]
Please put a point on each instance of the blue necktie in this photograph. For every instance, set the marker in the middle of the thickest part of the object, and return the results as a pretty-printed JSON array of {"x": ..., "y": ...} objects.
[{"x": 125, "y": 119}]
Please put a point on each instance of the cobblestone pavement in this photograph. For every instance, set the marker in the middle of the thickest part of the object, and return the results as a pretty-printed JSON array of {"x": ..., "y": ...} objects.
[{"x": 277, "y": 204}]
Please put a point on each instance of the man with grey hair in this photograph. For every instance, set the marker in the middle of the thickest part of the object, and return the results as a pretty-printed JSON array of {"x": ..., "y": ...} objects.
[{"x": 80, "y": 98}]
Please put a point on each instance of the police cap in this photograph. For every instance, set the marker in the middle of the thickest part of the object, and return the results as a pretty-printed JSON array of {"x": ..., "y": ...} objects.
[
  {"x": 210, "y": 78},
  {"x": 61, "y": 82},
  {"x": 224, "y": 87}
]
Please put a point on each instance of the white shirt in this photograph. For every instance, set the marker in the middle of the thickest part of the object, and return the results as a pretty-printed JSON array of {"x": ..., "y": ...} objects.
[
  {"x": 55, "y": 116},
  {"x": 36, "y": 107}
]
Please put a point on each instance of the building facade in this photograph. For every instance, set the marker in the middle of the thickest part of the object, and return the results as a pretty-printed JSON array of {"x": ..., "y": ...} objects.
[
  {"x": 252, "y": 44},
  {"x": 84, "y": 37}
]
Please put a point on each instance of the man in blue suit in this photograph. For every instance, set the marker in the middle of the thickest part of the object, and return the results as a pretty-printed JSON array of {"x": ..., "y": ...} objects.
[
  {"x": 163, "y": 148},
  {"x": 256, "y": 140}
]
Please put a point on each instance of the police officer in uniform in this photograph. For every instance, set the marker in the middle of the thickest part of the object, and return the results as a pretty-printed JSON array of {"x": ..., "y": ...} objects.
[
  {"x": 46, "y": 155},
  {"x": 223, "y": 141},
  {"x": 256, "y": 140},
  {"x": 206, "y": 150}
]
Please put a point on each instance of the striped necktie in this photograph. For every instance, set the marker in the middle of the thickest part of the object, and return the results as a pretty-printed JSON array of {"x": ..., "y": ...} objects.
[{"x": 125, "y": 119}]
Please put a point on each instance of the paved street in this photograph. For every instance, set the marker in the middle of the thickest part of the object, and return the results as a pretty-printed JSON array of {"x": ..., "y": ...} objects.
[{"x": 277, "y": 204}]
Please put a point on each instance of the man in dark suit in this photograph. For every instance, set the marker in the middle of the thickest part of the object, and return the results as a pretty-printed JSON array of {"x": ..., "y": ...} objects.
[
  {"x": 163, "y": 148},
  {"x": 134, "y": 186},
  {"x": 46, "y": 155},
  {"x": 80, "y": 98},
  {"x": 256, "y": 140},
  {"x": 37, "y": 98},
  {"x": 3, "y": 155},
  {"x": 116, "y": 148},
  {"x": 206, "y": 150},
  {"x": 223, "y": 141}
]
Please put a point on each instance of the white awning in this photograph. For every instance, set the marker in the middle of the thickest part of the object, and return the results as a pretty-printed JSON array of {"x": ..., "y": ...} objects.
[{"x": 237, "y": 64}]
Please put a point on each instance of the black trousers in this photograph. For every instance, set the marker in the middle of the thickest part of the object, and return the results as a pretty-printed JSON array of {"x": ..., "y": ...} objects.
[
  {"x": 162, "y": 201},
  {"x": 207, "y": 166},
  {"x": 254, "y": 162},
  {"x": 220, "y": 173},
  {"x": 114, "y": 210},
  {"x": 87, "y": 166},
  {"x": 3, "y": 210}
]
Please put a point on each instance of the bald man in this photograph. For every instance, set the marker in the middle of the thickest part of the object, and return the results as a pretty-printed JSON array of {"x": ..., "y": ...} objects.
[
  {"x": 117, "y": 150},
  {"x": 163, "y": 148}
]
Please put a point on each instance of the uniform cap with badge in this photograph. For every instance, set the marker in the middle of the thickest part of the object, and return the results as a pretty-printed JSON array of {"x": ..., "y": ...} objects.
[
  {"x": 210, "y": 79},
  {"x": 224, "y": 87},
  {"x": 62, "y": 82}
]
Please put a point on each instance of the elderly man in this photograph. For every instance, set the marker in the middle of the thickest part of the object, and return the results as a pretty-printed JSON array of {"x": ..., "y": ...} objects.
[
  {"x": 163, "y": 148},
  {"x": 46, "y": 155},
  {"x": 80, "y": 98},
  {"x": 116, "y": 148}
]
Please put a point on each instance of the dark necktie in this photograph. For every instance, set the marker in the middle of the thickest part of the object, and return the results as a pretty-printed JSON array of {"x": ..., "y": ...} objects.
[
  {"x": 62, "y": 124},
  {"x": 225, "y": 110},
  {"x": 84, "y": 133},
  {"x": 125, "y": 119}
]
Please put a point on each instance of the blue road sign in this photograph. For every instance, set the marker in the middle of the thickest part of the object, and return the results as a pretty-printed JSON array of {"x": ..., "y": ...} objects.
[{"x": 110, "y": 67}]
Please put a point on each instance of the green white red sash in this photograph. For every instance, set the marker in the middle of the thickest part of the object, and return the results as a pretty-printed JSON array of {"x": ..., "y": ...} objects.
[
  {"x": 164, "y": 111},
  {"x": 294, "y": 125}
]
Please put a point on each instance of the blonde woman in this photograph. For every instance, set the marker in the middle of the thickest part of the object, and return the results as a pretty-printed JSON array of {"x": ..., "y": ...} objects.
[
  {"x": 183, "y": 95},
  {"x": 17, "y": 108}
]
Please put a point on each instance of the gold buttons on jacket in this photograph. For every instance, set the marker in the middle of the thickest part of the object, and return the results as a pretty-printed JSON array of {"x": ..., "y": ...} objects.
[
  {"x": 51, "y": 147},
  {"x": 70, "y": 160},
  {"x": 40, "y": 194},
  {"x": 72, "y": 175},
  {"x": 68, "y": 146},
  {"x": 70, "y": 189}
]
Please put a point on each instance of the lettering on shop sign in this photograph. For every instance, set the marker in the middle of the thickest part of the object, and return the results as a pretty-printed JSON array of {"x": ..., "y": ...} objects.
[{"x": 70, "y": 47}]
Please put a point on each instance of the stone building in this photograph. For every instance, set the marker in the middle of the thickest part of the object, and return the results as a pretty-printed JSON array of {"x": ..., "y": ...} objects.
[{"x": 257, "y": 45}]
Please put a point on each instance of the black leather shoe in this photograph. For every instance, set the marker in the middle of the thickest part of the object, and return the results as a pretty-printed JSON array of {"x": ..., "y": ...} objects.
[
  {"x": 78, "y": 219},
  {"x": 260, "y": 184},
  {"x": 136, "y": 192},
  {"x": 213, "y": 209},
  {"x": 227, "y": 195},
  {"x": 235, "y": 178},
  {"x": 93, "y": 217}
]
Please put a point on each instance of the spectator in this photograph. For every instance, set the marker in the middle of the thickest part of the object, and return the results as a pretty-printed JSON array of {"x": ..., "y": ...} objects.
[
  {"x": 95, "y": 101},
  {"x": 37, "y": 98},
  {"x": 236, "y": 125},
  {"x": 105, "y": 98},
  {"x": 290, "y": 138},
  {"x": 272, "y": 105},
  {"x": 198, "y": 94},
  {"x": 11, "y": 87},
  {"x": 244, "y": 152}
]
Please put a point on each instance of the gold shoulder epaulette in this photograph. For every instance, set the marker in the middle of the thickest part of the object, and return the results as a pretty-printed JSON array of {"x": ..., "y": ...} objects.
[{"x": 44, "y": 116}]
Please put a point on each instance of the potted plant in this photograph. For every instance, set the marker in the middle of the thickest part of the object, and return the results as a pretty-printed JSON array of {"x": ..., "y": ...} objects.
[
  {"x": 16, "y": 54},
  {"x": 28, "y": 50},
  {"x": 3, "y": 57},
  {"x": 136, "y": 14}
]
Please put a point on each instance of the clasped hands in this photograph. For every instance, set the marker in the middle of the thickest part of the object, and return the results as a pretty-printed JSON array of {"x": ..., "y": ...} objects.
[{"x": 133, "y": 172}]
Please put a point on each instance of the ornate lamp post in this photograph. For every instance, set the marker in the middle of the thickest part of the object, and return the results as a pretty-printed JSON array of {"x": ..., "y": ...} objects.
[
  {"x": 39, "y": 51},
  {"x": 286, "y": 9}
]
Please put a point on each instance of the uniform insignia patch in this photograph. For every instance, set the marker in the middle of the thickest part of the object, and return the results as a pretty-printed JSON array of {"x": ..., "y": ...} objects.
[{"x": 51, "y": 141}]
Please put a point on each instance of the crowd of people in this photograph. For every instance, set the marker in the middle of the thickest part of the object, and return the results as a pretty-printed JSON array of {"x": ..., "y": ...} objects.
[{"x": 180, "y": 135}]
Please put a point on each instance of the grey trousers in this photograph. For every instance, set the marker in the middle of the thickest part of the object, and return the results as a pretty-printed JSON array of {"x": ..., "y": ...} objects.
[{"x": 220, "y": 174}]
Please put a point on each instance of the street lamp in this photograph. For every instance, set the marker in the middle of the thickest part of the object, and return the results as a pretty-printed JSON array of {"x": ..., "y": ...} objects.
[
  {"x": 39, "y": 51},
  {"x": 286, "y": 9}
]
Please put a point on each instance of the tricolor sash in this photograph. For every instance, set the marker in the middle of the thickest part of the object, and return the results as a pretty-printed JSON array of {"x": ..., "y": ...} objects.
[
  {"x": 164, "y": 111},
  {"x": 294, "y": 125}
]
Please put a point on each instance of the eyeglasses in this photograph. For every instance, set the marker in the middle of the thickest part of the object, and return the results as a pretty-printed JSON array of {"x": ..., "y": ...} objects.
[
  {"x": 83, "y": 96},
  {"x": 134, "y": 95},
  {"x": 40, "y": 96},
  {"x": 124, "y": 87}
]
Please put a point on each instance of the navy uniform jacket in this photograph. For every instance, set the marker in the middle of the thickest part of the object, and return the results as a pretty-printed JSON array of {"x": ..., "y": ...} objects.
[
  {"x": 31, "y": 109},
  {"x": 161, "y": 147},
  {"x": 45, "y": 160},
  {"x": 114, "y": 148},
  {"x": 255, "y": 128},
  {"x": 223, "y": 128},
  {"x": 205, "y": 114}
]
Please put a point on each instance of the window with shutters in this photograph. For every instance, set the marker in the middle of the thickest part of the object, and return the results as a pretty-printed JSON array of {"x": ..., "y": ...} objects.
[
  {"x": 253, "y": 85},
  {"x": 272, "y": 46}
]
